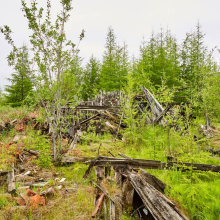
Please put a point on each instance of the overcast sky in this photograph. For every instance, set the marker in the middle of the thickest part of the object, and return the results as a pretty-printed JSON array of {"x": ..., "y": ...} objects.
[{"x": 130, "y": 19}]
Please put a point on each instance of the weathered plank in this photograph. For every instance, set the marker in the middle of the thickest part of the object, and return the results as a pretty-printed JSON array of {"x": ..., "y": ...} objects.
[
  {"x": 71, "y": 159},
  {"x": 154, "y": 181},
  {"x": 153, "y": 164},
  {"x": 11, "y": 181},
  {"x": 159, "y": 205}
]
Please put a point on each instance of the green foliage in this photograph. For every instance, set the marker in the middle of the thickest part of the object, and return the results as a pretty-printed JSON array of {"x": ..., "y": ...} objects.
[
  {"x": 21, "y": 84},
  {"x": 115, "y": 64},
  {"x": 36, "y": 141},
  {"x": 91, "y": 78},
  {"x": 3, "y": 201},
  {"x": 158, "y": 57},
  {"x": 210, "y": 98},
  {"x": 2, "y": 97}
]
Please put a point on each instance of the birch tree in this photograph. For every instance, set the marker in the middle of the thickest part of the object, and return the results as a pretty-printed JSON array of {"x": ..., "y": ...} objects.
[{"x": 52, "y": 55}]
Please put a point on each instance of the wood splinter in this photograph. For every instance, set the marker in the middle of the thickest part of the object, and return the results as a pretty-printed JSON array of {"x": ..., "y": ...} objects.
[{"x": 98, "y": 205}]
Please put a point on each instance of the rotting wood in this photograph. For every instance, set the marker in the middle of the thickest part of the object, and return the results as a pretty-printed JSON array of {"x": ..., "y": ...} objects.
[
  {"x": 118, "y": 206},
  {"x": 34, "y": 152},
  {"x": 127, "y": 195},
  {"x": 157, "y": 120},
  {"x": 71, "y": 159},
  {"x": 111, "y": 210},
  {"x": 124, "y": 156},
  {"x": 153, "y": 164},
  {"x": 154, "y": 181},
  {"x": 88, "y": 119},
  {"x": 119, "y": 125},
  {"x": 49, "y": 192},
  {"x": 89, "y": 170},
  {"x": 105, "y": 210},
  {"x": 118, "y": 176},
  {"x": 159, "y": 205},
  {"x": 103, "y": 191},
  {"x": 98, "y": 204},
  {"x": 21, "y": 168},
  {"x": 11, "y": 181},
  {"x": 100, "y": 175},
  {"x": 156, "y": 108}
]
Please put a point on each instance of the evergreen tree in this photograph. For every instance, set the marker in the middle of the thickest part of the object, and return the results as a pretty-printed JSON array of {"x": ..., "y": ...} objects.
[
  {"x": 115, "y": 64},
  {"x": 20, "y": 82},
  {"x": 108, "y": 70},
  {"x": 159, "y": 58},
  {"x": 91, "y": 78},
  {"x": 142, "y": 68},
  {"x": 122, "y": 66},
  {"x": 1, "y": 96},
  {"x": 72, "y": 79},
  {"x": 193, "y": 55}
]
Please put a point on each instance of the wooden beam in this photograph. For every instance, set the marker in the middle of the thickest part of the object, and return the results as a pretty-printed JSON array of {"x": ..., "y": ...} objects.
[{"x": 153, "y": 164}]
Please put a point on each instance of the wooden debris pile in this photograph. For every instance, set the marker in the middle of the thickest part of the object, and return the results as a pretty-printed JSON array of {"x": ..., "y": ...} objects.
[
  {"x": 104, "y": 114},
  {"x": 24, "y": 176},
  {"x": 141, "y": 194}
]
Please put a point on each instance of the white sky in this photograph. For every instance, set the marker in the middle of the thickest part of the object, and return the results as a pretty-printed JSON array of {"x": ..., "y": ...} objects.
[{"x": 130, "y": 19}]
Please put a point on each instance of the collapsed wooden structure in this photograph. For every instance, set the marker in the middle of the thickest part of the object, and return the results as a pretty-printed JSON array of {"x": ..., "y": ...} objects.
[
  {"x": 142, "y": 192},
  {"x": 105, "y": 113},
  {"x": 152, "y": 164}
]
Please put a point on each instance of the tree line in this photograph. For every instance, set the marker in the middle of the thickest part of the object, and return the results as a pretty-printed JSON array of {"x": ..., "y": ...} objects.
[{"x": 162, "y": 63}]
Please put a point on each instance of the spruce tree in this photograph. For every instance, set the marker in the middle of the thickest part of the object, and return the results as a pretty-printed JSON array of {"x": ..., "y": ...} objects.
[
  {"x": 108, "y": 70},
  {"x": 115, "y": 64},
  {"x": 20, "y": 81},
  {"x": 159, "y": 58},
  {"x": 91, "y": 78},
  {"x": 193, "y": 55},
  {"x": 122, "y": 66}
]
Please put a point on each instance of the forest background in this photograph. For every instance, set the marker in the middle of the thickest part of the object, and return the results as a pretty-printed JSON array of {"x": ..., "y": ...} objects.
[{"x": 163, "y": 64}]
